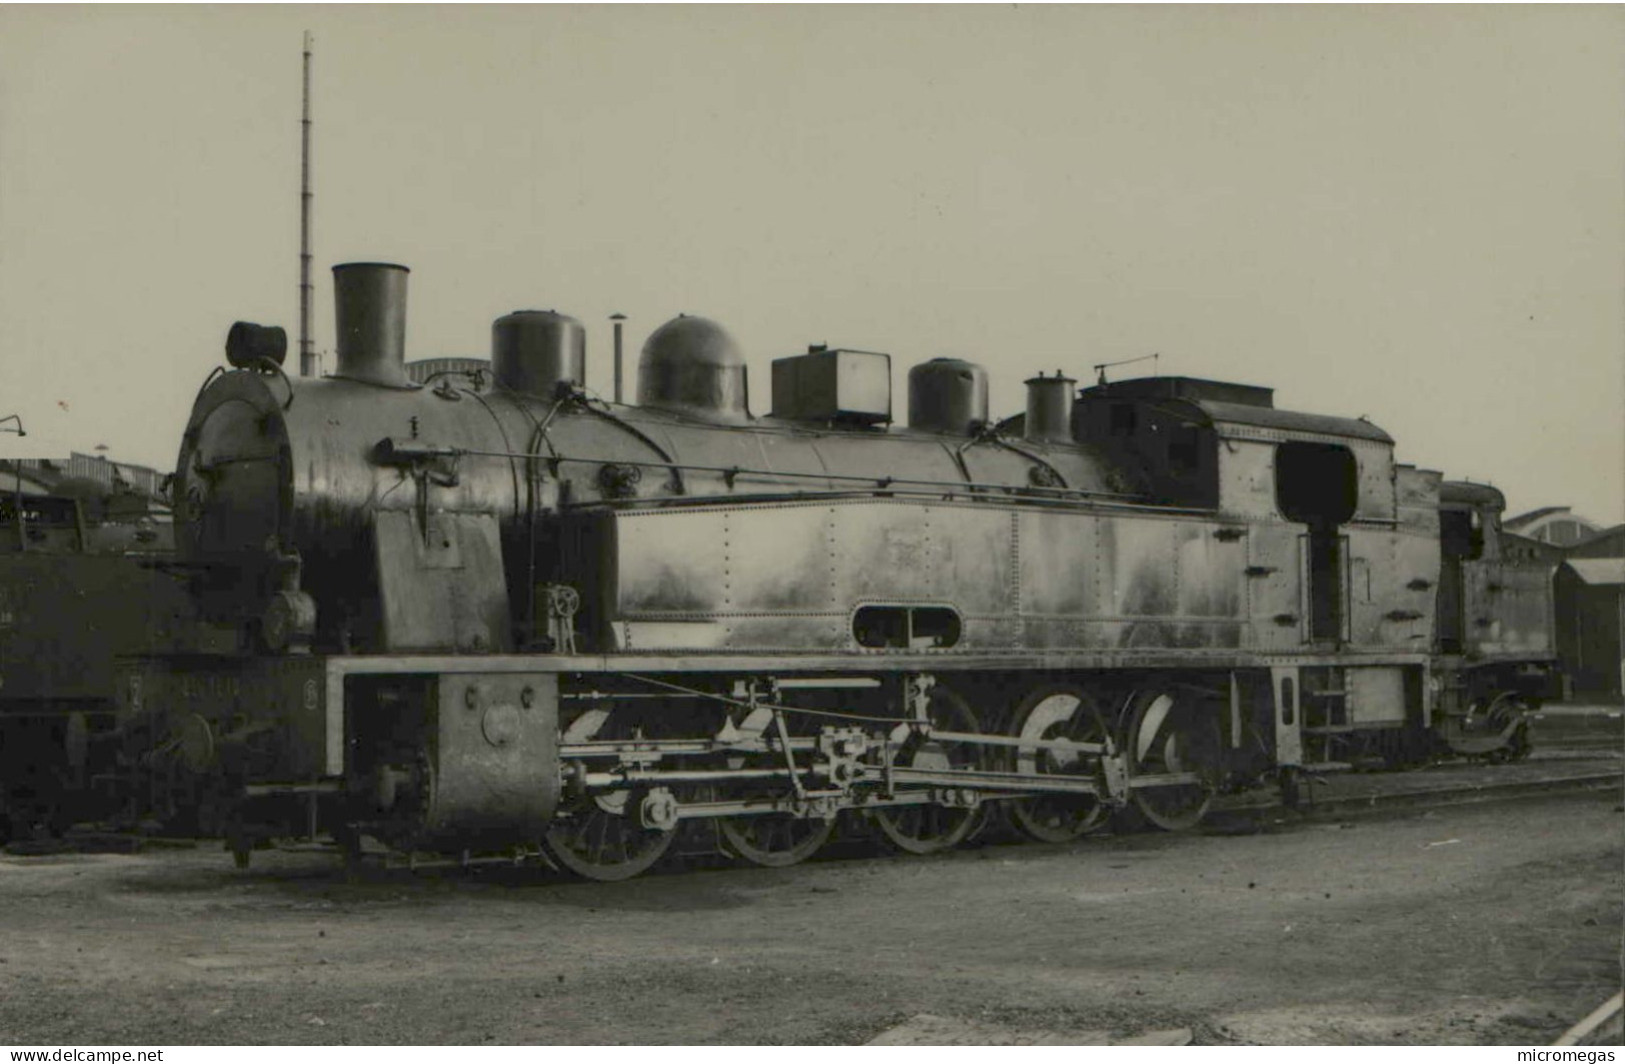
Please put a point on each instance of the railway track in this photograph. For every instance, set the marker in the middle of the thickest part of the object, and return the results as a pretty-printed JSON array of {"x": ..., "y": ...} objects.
[
  {"x": 1573, "y": 729},
  {"x": 1568, "y": 771},
  {"x": 1574, "y": 769}
]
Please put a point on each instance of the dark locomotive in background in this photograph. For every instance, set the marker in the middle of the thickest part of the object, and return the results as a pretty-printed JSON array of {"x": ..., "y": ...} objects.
[
  {"x": 84, "y": 578},
  {"x": 467, "y": 619}
]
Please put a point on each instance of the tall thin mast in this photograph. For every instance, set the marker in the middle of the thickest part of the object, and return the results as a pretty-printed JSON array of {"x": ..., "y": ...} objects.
[{"x": 307, "y": 356}]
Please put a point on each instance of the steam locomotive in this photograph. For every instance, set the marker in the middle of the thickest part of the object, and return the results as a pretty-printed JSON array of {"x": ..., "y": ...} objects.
[
  {"x": 79, "y": 586},
  {"x": 519, "y": 618}
]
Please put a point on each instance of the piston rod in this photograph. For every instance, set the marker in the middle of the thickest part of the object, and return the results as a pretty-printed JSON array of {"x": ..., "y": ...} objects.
[{"x": 1065, "y": 745}]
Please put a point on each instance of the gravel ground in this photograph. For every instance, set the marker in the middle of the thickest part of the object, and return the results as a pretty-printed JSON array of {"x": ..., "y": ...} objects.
[{"x": 1482, "y": 924}]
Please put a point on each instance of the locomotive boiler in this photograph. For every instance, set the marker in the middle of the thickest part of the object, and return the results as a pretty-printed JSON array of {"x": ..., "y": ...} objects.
[{"x": 522, "y": 617}]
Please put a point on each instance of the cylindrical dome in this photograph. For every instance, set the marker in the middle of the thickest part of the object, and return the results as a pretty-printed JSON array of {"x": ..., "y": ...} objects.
[
  {"x": 947, "y": 395},
  {"x": 691, "y": 365},
  {"x": 534, "y": 351},
  {"x": 1049, "y": 409}
]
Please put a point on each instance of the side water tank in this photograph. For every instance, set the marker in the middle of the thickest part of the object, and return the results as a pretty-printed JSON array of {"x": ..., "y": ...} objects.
[
  {"x": 534, "y": 351},
  {"x": 947, "y": 395},
  {"x": 692, "y": 366}
]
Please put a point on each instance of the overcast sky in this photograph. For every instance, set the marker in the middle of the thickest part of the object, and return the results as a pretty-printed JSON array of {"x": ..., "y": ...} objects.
[{"x": 1412, "y": 214}]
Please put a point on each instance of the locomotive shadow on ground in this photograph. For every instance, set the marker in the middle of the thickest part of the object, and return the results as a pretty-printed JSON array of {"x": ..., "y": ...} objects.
[
  {"x": 308, "y": 875},
  {"x": 686, "y": 883},
  {"x": 689, "y": 883}
]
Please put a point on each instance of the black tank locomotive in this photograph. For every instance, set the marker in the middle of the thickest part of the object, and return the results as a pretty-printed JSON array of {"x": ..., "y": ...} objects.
[{"x": 522, "y": 617}]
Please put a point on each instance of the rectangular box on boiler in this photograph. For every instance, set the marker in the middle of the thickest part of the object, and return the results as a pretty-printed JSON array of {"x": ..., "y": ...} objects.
[{"x": 833, "y": 385}]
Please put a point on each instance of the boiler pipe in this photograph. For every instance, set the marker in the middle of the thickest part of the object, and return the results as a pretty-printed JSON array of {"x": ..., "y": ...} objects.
[{"x": 618, "y": 319}]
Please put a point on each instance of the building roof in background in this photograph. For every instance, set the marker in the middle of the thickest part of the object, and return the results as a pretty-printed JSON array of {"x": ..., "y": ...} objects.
[
  {"x": 1599, "y": 571},
  {"x": 1557, "y": 525},
  {"x": 1532, "y": 516},
  {"x": 1609, "y": 542},
  {"x": 13, "y": 481},
  {"x": 43, "y": 476}
]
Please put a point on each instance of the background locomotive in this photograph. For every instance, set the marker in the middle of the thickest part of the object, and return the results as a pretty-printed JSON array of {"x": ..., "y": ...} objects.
[
  {"x": 487, "y": 620},
  {"x": 83, "y": 579}
]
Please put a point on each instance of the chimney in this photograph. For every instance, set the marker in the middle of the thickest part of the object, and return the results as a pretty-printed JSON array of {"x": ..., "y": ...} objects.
[{"x": 369, "y": 302}]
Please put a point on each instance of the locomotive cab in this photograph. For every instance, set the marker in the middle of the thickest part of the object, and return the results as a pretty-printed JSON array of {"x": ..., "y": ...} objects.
[
  {"x": 1154, "y": 426},
  {"x": 1320, "y": 489}
]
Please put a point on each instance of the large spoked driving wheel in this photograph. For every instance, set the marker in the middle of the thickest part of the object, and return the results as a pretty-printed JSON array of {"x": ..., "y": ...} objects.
[
  {"x": 775, "y": 840},
  {"x": 930, "y": 827},
  {"x": 603, "y": 838},
  {"x": 1057, "y": 711},
  {"x": 1172, "y": 730}
]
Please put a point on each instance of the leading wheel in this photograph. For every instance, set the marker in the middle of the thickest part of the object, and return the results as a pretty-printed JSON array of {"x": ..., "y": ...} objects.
[
  {"x": 1057, "y": 711},
  {"x": 603, "y": 838},
  {"x": 930, "y": 827},
  {"x": 1172, "y": 730}
]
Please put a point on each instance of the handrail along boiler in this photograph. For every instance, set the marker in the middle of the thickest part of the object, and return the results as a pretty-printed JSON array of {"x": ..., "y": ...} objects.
[{"x": 491, "y": 619}]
